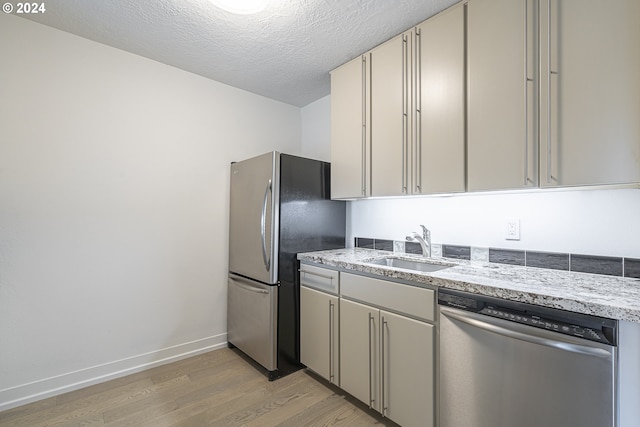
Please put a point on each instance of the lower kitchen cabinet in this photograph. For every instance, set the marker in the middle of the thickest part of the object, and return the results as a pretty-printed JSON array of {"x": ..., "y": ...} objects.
[
  {"x": 320, "y": 321},
  {"x": 319, "y": 333},
  {"x": 373, "y": 338},
  {"x": 407, "y": 366},
  {"x": 359, "y": 352},
  {"x": 387, "y": 361}
]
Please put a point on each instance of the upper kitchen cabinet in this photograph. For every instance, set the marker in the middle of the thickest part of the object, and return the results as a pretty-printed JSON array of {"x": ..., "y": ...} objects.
[
  {"x": 590, "y": 92},
  {"x": 350, "y": 132},
  {"x": 502, "y": 102},
  {"x": 439, "y": 145},
  {"x": 390, "y": 116},
  {"x": 370, "y": 122},
  {"x": 493, "y": 95},
  {"x": 409, "y": 103}
]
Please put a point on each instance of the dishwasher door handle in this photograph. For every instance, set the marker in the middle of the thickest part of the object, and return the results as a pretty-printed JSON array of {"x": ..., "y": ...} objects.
[{"x": 474, "y": 320}]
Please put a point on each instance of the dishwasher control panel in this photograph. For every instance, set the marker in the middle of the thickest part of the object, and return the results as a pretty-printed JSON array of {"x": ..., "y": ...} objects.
[
  {"x": 545, "y": 323},
  {"x": 592, "y": 328}
]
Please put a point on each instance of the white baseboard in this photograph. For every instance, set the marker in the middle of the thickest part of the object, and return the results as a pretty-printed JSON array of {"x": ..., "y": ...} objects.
[{"x": 47, "y": 387}]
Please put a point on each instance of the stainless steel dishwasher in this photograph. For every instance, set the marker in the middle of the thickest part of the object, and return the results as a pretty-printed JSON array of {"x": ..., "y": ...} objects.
[{"x": 510, "y": 364}]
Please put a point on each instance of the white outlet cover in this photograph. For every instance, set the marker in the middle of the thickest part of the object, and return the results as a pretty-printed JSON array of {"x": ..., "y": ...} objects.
[{"x": 512, "y": 229}]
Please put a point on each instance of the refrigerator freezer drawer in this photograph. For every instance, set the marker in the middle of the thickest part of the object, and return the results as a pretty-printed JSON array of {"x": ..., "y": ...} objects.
[{"x": 252, "y": 319}]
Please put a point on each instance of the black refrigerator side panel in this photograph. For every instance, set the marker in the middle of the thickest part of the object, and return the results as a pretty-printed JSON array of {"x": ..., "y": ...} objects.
[{"x": 309, "y": 221}]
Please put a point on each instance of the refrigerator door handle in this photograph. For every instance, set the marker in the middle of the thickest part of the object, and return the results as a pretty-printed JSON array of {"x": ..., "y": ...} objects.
[{"x": 263, "y": 229}]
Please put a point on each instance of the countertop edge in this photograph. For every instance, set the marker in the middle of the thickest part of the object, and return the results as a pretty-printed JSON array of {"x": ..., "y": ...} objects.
[{"x": 577, "y": 292}]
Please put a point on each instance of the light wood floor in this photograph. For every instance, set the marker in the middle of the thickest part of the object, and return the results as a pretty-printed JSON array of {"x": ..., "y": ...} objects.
[{"x": 219, "y": 388}]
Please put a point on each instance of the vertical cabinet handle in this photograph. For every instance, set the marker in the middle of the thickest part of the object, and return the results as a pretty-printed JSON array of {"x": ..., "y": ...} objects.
[
  {"x": 371, "y": 399},
  {"x": 527, "y": 81},
  {"x": 552, "y": 74},
  {"x": 404, "y": 112},
  {"x": 418, "y": 127},
  {"x": 382, "y": 377},
  {"x": 364, "y": 126},
  {"x": 331, "y": 364}
]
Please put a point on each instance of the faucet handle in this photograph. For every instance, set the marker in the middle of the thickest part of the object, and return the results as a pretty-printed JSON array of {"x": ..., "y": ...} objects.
[{"x": 426, "y": 233}]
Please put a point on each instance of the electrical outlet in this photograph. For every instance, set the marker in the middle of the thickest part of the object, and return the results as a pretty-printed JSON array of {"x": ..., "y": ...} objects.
[{"x": 512, "y": 231}]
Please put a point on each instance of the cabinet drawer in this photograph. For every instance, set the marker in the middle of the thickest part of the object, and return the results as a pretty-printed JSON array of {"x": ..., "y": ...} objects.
[
  {"x": 406, "y": 299},
  {"x": 318, "y": 278}
]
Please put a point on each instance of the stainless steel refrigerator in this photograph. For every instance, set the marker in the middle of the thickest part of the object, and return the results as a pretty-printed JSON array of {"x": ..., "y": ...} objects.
[{"x": 280, "y": 205}]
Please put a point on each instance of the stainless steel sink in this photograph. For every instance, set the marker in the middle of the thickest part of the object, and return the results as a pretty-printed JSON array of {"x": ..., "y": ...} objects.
[{"x": 416, "y": 265}]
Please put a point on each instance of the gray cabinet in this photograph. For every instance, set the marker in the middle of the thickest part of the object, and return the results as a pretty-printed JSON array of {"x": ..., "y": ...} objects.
[
  {"x": 370, "y": 134},
  {"x": 417, "y": 109},
  {"x": 359, "y": 355},
  {"x": 350, "y": 132},
  {"x": 439, "y": 145},
  {"x": 554, "y": 94},
  {"x": 407, "y": 370},
  {"x": 590, "y": 92},
  {"x": 405, "y": 104},
  {"x": 390, "y": 116},
  {"x": 493, "y": 95},
  {"x": 386, "y": 350},
  {"x": 501, "y": 95},
  {"x": 320, "y": 322},
  {"x": 319, "y": 333}
]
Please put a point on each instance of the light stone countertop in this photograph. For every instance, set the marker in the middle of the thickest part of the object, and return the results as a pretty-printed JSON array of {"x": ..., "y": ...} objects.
[{"x": 600, "y": 295}]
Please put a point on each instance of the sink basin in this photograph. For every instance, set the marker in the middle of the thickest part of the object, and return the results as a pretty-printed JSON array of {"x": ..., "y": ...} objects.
[{"x": 424, "y": 266}]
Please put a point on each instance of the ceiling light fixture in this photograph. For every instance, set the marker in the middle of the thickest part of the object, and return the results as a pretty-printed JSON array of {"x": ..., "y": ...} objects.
[{"x": 241, "y": 7}]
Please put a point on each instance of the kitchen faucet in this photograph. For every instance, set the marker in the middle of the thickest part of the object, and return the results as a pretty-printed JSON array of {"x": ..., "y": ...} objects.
[{"x": 424, "y": 240}]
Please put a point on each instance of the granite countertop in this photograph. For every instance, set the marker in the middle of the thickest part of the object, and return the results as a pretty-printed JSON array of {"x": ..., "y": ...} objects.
[{"x": 606, "y": 296}]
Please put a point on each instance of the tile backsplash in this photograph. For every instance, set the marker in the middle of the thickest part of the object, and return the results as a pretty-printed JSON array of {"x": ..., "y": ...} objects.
[{"x": 611, "y": 266}]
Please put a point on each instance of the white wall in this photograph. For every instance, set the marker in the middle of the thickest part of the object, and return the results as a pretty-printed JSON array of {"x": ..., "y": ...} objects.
[
  {"x": 596, "y": 222},
  {"x": 316, "y": 129},
  {"x": 113, "y": 207}
]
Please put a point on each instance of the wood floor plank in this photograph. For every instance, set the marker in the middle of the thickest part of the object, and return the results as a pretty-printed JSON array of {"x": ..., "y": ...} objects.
[
  {"x": 24, "y": 410},
  {"x": 335, "y": 410},
  {"x": 173, "y": 389},
  {"x": 197, "y": 409},
  {"x": 234, "y": 400},
  {"x": 293, "y": 395},
  {"x": 85, "y": 405},
  {"x": 200, "y": 416},
  {"x": 219, "y": 388},
  {"x": 159, "y": 393},
  {"x": 152, "y": 411},
  {"x": 192, "y": 366},
  {"x": 216, "y": 384}
]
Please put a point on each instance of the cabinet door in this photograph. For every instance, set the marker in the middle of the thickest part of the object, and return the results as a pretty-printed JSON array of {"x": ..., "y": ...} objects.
[
  {"x": 502, "y": 152},
  {"x": 439, "y": 145},
  {"x": 359, "y": 355},
  {"x": 590, "y": 105},
  {"x": 390, "y": 103},
  {"x": 407, "y": 365},
  {"x": 349, "y": 130},
  {"x": 319, "y": 333}
]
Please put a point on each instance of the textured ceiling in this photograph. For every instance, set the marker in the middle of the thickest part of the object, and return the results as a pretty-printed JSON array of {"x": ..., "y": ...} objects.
[{"x": 284, "y": 52}]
